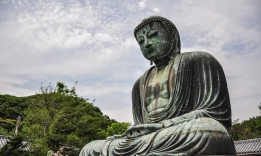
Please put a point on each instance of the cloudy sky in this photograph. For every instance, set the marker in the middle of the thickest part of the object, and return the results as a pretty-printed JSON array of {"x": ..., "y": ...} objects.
[{"x": 92, "y": 42}]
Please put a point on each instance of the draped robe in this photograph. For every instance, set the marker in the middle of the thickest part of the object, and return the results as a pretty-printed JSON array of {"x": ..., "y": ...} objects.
[{"x": 196, "y": 119}]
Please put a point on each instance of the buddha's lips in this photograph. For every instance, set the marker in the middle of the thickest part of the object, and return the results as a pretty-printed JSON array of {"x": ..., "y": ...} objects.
[{"x": 150, "y": 50}]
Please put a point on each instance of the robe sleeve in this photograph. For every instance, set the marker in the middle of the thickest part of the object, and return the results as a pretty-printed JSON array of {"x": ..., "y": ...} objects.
[
  {"x": 136, "y": 98},
  {"x": 200, "y": 90},
  {"x": 136, "y": 103}
]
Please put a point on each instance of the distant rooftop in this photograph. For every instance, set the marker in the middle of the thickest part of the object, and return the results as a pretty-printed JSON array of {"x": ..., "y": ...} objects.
[
  {"x": 4, "y": 139},
  {"x": 248, "y": 147}
]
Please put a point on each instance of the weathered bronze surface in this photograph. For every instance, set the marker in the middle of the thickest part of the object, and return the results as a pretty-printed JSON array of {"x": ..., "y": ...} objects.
[{"x": 181, "y": 105}]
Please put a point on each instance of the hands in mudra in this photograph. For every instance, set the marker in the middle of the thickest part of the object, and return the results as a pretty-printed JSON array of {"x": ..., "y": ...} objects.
[
  {"x": 140, "y": 130},
  {"x": 137, "y": 131}
]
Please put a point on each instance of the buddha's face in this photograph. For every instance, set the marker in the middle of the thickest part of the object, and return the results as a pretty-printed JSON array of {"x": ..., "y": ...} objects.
[{"x": 155, "y": 42}]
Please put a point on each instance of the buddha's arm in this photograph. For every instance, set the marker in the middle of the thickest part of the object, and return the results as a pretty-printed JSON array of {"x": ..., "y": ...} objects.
[
  {"x": 136, "y": 99},
  {"x": 136, "y": 103},
  {"x": 202, "y": 89}
]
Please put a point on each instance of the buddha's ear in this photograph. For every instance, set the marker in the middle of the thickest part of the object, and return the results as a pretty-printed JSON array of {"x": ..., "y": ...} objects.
[{"x": 175, "y": 37}]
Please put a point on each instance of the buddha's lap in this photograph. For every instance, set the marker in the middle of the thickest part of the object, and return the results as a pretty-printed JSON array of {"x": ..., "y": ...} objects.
[{"x": 192, "y": 134}]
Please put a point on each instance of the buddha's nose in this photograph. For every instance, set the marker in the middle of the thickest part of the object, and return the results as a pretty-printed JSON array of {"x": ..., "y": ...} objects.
[{"x": 148, "y": 44}]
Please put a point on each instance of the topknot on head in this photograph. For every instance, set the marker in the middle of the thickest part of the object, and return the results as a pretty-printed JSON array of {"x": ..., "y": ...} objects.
[{"x": 167, "y": 24}]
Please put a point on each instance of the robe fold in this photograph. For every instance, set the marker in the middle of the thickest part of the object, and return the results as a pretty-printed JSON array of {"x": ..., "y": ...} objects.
[{"x": 196, "y": 119}]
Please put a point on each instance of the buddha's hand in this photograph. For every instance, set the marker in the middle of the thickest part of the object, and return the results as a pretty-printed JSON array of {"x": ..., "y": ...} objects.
[
  {"x": 110, "y": 138},
  {"x": 140, "y": 130}
]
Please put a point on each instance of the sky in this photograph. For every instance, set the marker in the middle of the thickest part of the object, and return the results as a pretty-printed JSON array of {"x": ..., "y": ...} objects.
[{"x": 92, "y": 42}]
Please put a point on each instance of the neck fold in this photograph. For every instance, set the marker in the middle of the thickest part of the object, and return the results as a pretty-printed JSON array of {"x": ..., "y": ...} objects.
[{"x": 163, "y": 62}]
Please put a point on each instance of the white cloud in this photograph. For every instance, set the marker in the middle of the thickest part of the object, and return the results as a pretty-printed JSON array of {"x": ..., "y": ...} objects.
[
  {"x": 142, "y": 4},
  {"x": 55, "y": 26},
  {"x": 14, "y": 90},
  {"x": 92, "y": 42},
  {"x": 76, "y": 40},
  {"x": 156, "y": 10},
  {"x": 103, "y": 37}
]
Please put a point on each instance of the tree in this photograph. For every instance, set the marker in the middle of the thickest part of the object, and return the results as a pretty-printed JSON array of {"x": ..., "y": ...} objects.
[
  {"x": 7, "y": 126},
  {"x": 11, "y": 107},
  {"x": 58, "y": 117},
  {"x": 247, "y": 129},
  {"x": 117, "y": 128}
]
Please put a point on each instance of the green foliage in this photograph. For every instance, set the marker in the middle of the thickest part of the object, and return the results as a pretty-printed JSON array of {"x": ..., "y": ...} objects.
[
  {"x": 3, "y": 131},
  {"x": 56, "y": 117},
  {"x": 248, "y": 129},
  {"x": 7, "y": 126},
  {"x": 116, "y": 128},
  {"x": 15, "y": 147},
  {"x": 11, "y": 107},
  {"x": 62, "y": 88}
]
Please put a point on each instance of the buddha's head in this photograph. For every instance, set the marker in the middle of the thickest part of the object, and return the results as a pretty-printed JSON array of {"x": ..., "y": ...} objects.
[{"x": 158, "y": 37}]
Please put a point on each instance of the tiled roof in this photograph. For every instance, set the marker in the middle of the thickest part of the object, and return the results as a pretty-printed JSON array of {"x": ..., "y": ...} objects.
[
  {"x": 250, "y": 146},
  {"x": 4, "y": 139}
]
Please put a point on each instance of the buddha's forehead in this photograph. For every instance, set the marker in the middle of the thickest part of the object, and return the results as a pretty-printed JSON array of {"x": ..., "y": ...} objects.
[{"x": 150, "y": 26}]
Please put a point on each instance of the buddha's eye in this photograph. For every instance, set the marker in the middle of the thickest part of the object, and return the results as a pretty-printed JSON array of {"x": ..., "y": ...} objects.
[
  {"x": 153, "y": 32},
  {"x": 140, "y": 40}
]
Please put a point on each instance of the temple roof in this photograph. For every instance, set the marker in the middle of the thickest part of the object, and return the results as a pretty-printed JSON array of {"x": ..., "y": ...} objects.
[
  {"x": 4, "y": 139},
  {"x": 250, "y": 146}
]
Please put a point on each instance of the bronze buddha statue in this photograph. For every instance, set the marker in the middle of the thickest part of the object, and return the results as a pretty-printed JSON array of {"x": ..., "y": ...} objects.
[{"x": 180, "y": 106}]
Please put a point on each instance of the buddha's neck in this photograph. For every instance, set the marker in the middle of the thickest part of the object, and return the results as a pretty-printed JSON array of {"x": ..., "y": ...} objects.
[{"x": 162, "y": 62}]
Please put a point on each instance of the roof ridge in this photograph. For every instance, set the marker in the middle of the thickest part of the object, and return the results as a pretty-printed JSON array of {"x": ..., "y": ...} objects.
[{"x": 248, "y": 140}]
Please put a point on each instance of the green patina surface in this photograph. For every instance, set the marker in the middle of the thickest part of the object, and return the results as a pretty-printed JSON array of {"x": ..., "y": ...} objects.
[{"x": 181, "y": 105}]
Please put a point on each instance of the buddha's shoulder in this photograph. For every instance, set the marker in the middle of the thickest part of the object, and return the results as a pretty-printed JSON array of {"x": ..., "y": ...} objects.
[{"x": 195, "y": 55}]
